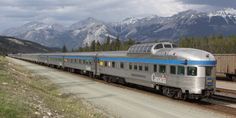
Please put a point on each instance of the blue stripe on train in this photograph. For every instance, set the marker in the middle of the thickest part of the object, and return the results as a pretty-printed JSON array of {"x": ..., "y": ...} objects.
[
  {"x": 73, "y": 57},
  {"x": 80, "y": 57},
  {"x": 142, "y": 60},
  {"x": 159, "y": 61}
]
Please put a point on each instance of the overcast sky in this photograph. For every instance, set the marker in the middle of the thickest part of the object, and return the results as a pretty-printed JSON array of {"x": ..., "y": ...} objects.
[{"x": 17, "y": 12}]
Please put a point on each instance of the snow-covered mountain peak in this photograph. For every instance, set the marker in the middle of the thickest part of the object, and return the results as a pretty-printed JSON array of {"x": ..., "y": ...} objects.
[
  {"x": 152, "y": 17},
  {"x": 228, "y": 14},
  {"x": 224, "y": 13},
  {"x": 85, "y": 23},
  {"x": 34, "y": 25},
  {"x": 187, "y": 13},
  {"x": 230, "y": 11},
  {"x": 129, "y": 20}
]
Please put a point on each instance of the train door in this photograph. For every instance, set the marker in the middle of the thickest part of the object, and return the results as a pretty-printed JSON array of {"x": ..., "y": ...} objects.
[
  {"x": 210, "y": 77},
  {"x": 96, "y": 62},
  {"x": 63, "y": 61}
]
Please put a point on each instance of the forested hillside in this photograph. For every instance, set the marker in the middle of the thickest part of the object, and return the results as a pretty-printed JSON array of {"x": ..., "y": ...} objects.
[
  {"x": 109, "y": 45},
  {"x": 14, "y": 45},
  {"x": 213, "y": 44}
]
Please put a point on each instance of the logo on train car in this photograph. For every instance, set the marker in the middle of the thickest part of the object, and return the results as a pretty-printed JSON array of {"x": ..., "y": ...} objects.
[{"x": 159, "y": 79}]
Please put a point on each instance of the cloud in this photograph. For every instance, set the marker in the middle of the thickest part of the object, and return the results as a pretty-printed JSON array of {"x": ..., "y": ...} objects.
[
  {"x": 17, "y": 12},
  {"x": 217, "y": 4}
]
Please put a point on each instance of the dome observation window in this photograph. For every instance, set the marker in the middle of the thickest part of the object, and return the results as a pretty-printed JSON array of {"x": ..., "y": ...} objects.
[{"x": 149, "y": 47}]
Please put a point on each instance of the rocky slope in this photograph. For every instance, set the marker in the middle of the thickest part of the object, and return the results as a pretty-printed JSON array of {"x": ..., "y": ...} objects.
[{"x": 14, "y": 45}]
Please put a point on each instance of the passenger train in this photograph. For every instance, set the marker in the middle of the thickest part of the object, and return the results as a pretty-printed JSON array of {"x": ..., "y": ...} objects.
[{"x": 177, "y": 72}]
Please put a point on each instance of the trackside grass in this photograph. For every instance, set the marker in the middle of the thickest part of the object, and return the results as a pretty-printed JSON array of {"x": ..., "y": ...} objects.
[{"x": 24, "y": 95}]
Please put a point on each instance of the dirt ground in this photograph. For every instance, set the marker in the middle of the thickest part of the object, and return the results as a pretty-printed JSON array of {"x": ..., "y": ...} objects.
[{"x": 24, "y": 94}]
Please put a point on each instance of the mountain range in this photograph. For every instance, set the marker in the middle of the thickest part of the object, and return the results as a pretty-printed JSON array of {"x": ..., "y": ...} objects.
[{"x": 146, "y": 29}]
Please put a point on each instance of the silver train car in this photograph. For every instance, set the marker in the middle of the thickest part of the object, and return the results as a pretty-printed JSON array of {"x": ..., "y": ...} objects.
[{"x": 177, "y": 72}]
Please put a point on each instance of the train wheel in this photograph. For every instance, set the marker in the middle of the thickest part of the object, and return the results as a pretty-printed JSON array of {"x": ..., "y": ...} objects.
[
  {"x": 91, "y": 75},
  {"x": 178, "y": 94},
  {"x": 168, "y": 92},
  {"x": 107, "y": 79},
  {"x": 121, "y": 81},
  {"x": 234, "y": 78}
]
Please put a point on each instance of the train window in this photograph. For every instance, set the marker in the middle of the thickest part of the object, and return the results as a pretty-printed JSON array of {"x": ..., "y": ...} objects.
[
  {"x": 146, "y": 68},
  {"x": 167, "y": 45},
  {"x": 145, "y": 48},
  {"x": 149, "y": 48},
  {"x": 113, "y": 64},
  {"x": 162, "y": 69},
  {"x": 101, "y": 63},
  {"x": 130, "y": 66},
  {"x": 208, "y": 71},
  {"x": 109, "y": 64},
  {"x": 174, "y": 46},
  {"x": 158, "y": 46},
  {"x": 121, "y": 65},
  {"x": 172, "y": 70},
  {"x": 181, "y": 70},
  {"x": 105, "y": 63},
  {"x": 192, "y": 71},
  {"x": 155, "y": 68},
  {"x": 135, "y": 67},
  {"x": 90, "y": 62},
  {"x": 140, "y": 67}
]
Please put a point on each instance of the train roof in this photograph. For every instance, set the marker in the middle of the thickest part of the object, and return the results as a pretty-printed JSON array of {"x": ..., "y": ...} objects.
[
  {"x": 163, "y": 49},
  {"x": 100, "y": 53}
]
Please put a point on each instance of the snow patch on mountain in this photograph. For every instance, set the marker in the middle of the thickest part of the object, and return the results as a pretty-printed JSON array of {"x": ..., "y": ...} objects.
[
  {"x": 187, "y": 23},
  {"x": 227, "y": 14}
]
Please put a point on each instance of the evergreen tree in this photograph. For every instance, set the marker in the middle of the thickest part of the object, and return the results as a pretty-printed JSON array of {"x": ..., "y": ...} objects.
[
  {"x": 93, "y": 46},
  {"x": 98, "y": 46},
  {"x": 107, "y": 44},
  {"x": 117, "y": 44},
  {"x": 81, "y": 49},
  {"x": 213, "y": 44},
  {"x": 64, "y": 49}
]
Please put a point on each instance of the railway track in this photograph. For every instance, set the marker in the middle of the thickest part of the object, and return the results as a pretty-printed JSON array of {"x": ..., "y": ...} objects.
[
  {"x": 224, "y": 98},
  {"x": 225, "y": 95}
]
